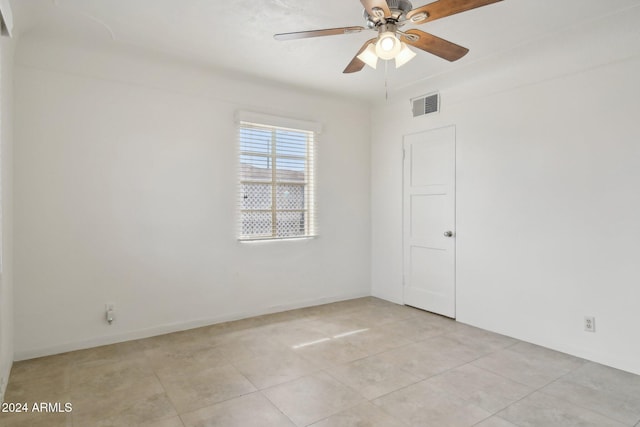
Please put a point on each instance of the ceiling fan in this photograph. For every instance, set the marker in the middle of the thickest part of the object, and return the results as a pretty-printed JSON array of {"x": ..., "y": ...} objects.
[{"x": 387, "y": 17}]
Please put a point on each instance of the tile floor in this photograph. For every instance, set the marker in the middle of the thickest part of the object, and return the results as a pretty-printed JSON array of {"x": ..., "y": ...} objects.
[{"x": 363, "y": 362}]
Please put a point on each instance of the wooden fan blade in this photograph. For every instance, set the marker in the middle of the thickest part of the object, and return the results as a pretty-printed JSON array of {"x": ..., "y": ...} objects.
[
  {"x": 356, "y": 64},
  {"x": 370, "y": 5},
  {"x": 443, "y": 8},
  {"x": 317, "y": 33},
  {"x": 435, "y": 45}
]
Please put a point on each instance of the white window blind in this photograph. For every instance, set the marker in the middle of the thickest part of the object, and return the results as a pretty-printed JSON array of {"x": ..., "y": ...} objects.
[{"x": 276, "y": 193}]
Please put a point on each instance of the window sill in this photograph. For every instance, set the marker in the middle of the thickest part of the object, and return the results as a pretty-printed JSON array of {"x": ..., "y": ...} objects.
[{"x": 277, "y": 239}]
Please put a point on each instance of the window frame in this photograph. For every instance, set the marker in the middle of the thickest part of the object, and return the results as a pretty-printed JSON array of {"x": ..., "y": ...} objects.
[{"x": 309, "y": 209}]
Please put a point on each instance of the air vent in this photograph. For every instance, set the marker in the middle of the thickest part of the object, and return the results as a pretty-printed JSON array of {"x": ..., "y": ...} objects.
[{"x": 426, "y": 104}]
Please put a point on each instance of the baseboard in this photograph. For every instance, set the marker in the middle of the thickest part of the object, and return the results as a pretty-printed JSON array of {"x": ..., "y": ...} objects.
[
  {"x": 389, "y": 298},
  {"x": 176, "y": 327},
  {"x": 613, "y": 361}
]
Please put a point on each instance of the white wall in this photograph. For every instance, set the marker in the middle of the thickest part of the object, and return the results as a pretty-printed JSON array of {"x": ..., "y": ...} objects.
[
  {"x": 548, "y": 195},
  {"x": 6, "y": 194},
  {"x": 125, "y": 193}
]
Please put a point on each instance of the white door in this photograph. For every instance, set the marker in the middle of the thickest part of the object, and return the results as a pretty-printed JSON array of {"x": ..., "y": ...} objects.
[{"x": 429, "y": 221}]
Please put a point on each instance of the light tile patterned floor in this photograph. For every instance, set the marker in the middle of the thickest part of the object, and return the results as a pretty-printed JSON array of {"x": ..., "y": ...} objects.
[{"x": 363, "y": 362}]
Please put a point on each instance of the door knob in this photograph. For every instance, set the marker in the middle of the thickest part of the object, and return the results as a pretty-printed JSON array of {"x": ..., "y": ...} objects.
[{"x": 448, "y": 233}]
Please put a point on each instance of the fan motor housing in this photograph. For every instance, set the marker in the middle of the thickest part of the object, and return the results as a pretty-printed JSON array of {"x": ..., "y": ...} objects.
[{"x": 399, "y": 10}]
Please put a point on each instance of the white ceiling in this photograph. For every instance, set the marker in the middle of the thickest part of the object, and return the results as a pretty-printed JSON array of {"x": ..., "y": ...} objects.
[{"x": 237, "y": 35}]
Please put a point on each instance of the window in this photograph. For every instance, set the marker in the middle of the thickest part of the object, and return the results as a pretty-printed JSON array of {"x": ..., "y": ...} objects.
[{"x": 276, "y": 185}]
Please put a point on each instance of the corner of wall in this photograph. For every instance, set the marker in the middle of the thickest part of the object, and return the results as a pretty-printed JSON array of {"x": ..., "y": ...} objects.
[{"x": 7, "y": 46}]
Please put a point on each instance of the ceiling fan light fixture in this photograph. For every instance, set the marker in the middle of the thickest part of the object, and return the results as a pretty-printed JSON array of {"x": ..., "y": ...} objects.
[
  {"x": 386, "y": 18},
  {"x": 405, "y": 55},
  {"x": 388, "y": 45},
  {"x": 369, "y": 57}
]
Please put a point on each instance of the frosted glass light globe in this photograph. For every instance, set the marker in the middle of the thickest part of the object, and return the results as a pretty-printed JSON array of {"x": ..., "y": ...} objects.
[{"x": 388, "y": 46}]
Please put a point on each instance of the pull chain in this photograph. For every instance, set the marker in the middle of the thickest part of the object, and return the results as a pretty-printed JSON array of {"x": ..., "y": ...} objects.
[{"x": 386, "y": 76}]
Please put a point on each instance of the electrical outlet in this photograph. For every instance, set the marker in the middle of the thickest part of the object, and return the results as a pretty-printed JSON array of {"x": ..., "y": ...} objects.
[
  {"x": 589, "y": 323},
  {"x": 109, "y": 312}
]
